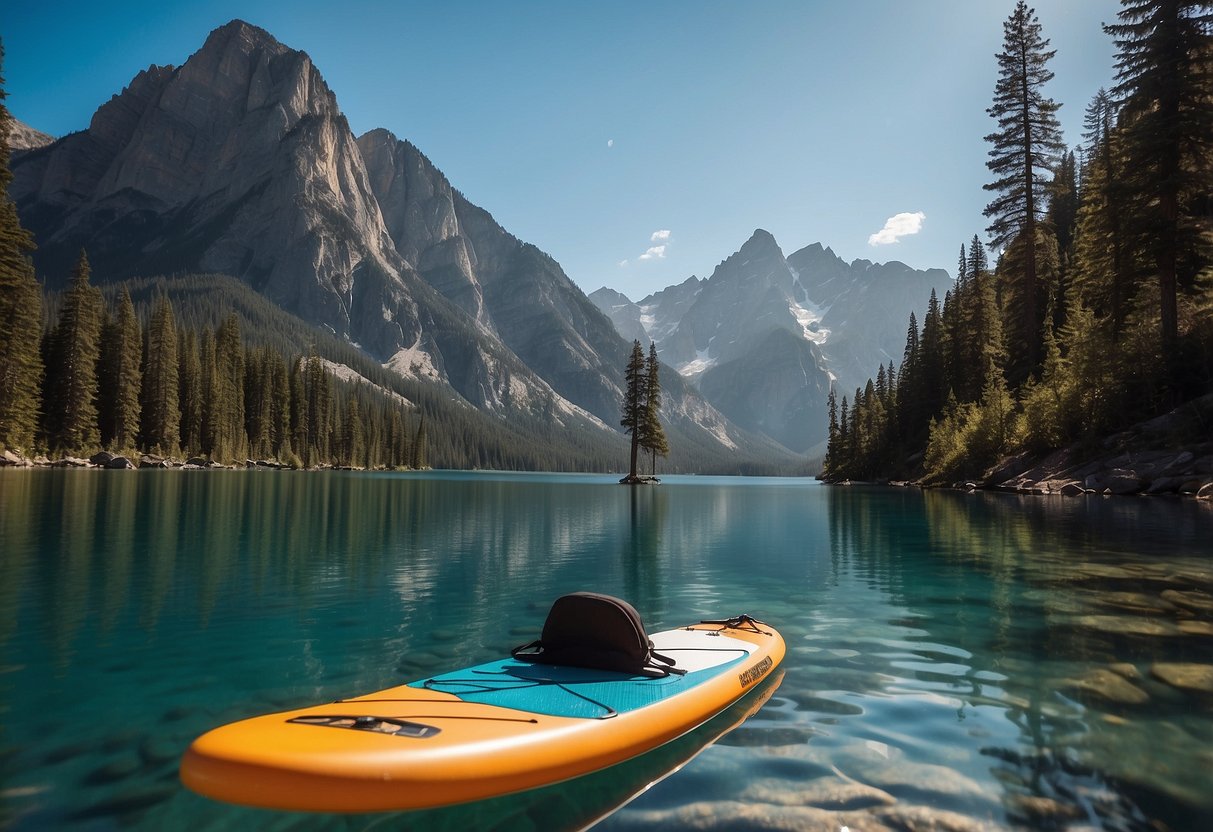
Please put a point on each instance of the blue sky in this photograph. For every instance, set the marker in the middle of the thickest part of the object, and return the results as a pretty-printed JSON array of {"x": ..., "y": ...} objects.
[{"x": 603, "y": 133}]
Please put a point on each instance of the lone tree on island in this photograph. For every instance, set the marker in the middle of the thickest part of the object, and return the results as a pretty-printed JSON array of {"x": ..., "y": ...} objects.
[{"x": 635, "y": 404}]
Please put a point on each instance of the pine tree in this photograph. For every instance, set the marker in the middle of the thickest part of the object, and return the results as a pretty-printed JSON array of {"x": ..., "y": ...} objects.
[
  {"x": 120, "y": 377},
  {"x": 317, "y": 398},
  {"x": 353, "y": 438},
  {"x": 1025, "y": 145},
  {"x": 653, "y": 437},
  {"x": 1165, "y": 80},
  {"x": 828, "y": 464},
  {"x": 231, "y": 437},
  {"x": 1062, "y": 218},
  {"x": 20, "y": 312},
  {"x": 189, "y": 396},
  {"x": 910, "y": 392},
  {"x": 280, "y": 408},
  {"x": 161, "y": 386},
  {"x": 634, "y": 398},
  {"x": 71, "y": 378},
  {"x": 930, "y": 366},
  {"x": 420, "y": 450},
  {"x": 980, "y": 325},
  {"x": 209, "y": 387}
]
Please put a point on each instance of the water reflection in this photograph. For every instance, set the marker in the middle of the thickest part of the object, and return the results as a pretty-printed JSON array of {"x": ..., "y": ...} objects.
[{"x": 963, "y": 660}]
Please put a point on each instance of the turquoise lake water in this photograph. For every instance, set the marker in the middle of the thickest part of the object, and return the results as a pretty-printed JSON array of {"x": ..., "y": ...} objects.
[{"x": 976, "y": 661}]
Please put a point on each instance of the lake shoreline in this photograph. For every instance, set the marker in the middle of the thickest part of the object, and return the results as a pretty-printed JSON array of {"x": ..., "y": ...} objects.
[{"x": 105, "y": 460}]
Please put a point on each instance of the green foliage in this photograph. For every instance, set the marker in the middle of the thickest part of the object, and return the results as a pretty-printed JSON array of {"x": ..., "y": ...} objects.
[
  {"x": 1024, "y": 149},
  {"x": 161, "y": 391},
  {"x": 1084, "y": 295},
  {"x": 120, "y": 377},
  {"x": 20, "y": 313},
  {"x": 635, "y": 396},
  {"x": 653, "y": 437},
  {"x": 1164, "y": 80},
  {"x": 70, "y": 385}
]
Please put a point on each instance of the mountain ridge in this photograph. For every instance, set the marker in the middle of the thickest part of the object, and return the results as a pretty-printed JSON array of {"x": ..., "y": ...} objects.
[
  {"x": 240, "y": 162},
  {"x": 838, "y": 320}
]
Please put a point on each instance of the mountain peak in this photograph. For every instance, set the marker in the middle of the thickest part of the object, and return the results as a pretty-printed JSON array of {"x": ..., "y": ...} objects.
[
  {"x": 243, "y": 35},
  {"x": 761, "y": 237}
]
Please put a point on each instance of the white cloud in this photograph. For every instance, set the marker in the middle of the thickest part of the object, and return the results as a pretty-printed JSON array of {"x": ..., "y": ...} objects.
[
  {"x": 610, "y": 142},
  {"x": 654, "y": 253},
  {"x": 623, "y": 264},
  {"x": 896, "y": 227},
  {"x": 660, "y": 236}
]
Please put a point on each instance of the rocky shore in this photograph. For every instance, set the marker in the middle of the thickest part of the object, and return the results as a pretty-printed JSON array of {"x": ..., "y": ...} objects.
[
  {"x": 105, "y": 459},
  {"x": 1169, "y": 455}
]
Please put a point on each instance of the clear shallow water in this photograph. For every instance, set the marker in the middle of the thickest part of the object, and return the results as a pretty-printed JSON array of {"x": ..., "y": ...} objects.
[{"x": 970, "y": 660}]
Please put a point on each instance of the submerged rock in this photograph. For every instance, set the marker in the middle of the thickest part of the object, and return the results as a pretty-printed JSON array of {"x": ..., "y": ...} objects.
[
  {"x": 1193, "y": 599},
  {"x": 1107, "y": 685},
  {"x": 1187, "y": 676}
]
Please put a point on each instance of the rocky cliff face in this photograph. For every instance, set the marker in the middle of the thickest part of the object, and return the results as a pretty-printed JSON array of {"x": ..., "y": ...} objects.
[
  {"x": 508, "y": 287},
  {"x": 240, "y": 162},
  {"x": 237, "y": 162},
  {"x": 23, "y": 137},
  {"x": 765, "y": 336}
]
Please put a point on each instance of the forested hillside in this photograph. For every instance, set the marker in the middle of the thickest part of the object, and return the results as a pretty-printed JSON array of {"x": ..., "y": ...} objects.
[{"x": 1097, "y": 310}]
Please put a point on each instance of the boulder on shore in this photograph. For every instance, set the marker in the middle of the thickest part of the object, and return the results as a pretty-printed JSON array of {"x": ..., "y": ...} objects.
[{"x": 15, "y": 459}]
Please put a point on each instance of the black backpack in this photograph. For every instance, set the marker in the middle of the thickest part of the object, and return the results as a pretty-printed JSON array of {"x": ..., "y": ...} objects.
[{"x": 587, "y": 629}]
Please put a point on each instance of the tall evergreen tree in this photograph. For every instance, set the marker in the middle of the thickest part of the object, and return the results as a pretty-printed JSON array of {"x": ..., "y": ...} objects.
[
  {"x": 1024, "y": 148},
  {"x": 280, "y": 408},
  {"x": 1164, "y": 80},
  {"x": 231, "y": 436},
  {"x": 71, "y": 379},
  {"x": 209, "y": 387},
  {"x": 121, "y": 356},
  {"x": 420, "y": 447},
  {"x": 930, "y": 366},
  {"x": 353, "y": 434},
  {"x": 189, "y": 381},
  {"x": 20, "y": 312},
  {"x": 161, "y": 386},
  {"x": 317, "y": 398},
  {"x": 653, "y": 439},
  {"x": 830, "y": 462},
  {"x": 1102, "y": 270},
  {"x": 634, "y": 399}
]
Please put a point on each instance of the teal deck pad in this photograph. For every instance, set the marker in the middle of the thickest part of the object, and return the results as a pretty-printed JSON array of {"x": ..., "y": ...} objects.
[{"x": 553, "y": 690}]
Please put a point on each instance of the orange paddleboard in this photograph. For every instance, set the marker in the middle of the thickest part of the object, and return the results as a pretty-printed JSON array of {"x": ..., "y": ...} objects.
[{"x": 480, "y": 732}]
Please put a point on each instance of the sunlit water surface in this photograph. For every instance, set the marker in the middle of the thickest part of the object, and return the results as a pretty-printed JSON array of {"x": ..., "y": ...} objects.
[{"x": 972, "y": 661}]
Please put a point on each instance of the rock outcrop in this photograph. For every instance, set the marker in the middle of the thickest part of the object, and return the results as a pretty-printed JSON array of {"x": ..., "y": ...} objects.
[
  {"x": 23, "y": 137},
  {"x": 1170, "y": 454}
]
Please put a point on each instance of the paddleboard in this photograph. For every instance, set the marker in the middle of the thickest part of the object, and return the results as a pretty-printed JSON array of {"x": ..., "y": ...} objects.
[{"x": 480, "y": 732}]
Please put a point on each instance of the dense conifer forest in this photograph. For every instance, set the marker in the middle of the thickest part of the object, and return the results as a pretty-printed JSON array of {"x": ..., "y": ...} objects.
[{"x": 1095, "y": 310}]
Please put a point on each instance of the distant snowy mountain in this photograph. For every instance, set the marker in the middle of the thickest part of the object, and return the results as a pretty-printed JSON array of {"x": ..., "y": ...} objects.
[{"x": 765, "y": 336}]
